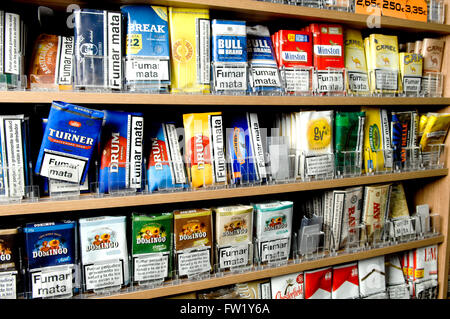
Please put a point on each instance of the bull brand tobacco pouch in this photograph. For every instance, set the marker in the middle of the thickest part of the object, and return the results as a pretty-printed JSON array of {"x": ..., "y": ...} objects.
[
  {"x": 345, "y": 281},
  {"x": 375, "y": 211},
  {"x": 315, "y": 143},
  {"x": 245, "y": 149},
  {"x": 14, "y": 151},
  {"x": 204, "y": 149},
  {"x": 229, "y": 56},
  {"x": 152, "y": 246},
  {"x": 411, "y": 66},
  {"x": 147, "y": 48},
  {"x": 348, "y": 137},
  {"x": 264, "y": 77},
  {"x": 51, "y": 62},
  {"x": 234, "y": 236},
  {"x": 273, "y": 229},
  {"x": 290, "y": 286},
  {"x": 68, "y": 143},
  {"x": 9, "y": 263},
  {"x": 165, "y": 166},
  {"x": 98, "y": 49},
  {"x": 104, "y": 252},
  {"x": 404, "y": 134},
  {"x": 51, "y": 259},
  {"x": 383, "y": 64},
  {"x": 190, "y": 49},
  {"x": 435, "y": 130},
  {"x": 193, "y": 241},
  {"x": 122, "y": 151},
  {"x": 355, "y": 62},
  {"x": 377, "y": 140}
]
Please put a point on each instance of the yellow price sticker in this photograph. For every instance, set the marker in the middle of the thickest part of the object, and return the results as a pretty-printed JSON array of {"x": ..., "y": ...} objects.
[
  {"x": 134, "y": 43},
  {"x": 415, "y": 10},
  {"x": 368, "y": 7}
]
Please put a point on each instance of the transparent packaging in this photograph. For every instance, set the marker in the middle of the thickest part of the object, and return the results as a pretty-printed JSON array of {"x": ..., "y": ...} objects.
[
  {"x": 318, "y": 167},
  {"x": 432, "y": 84},
  {"x": 297, "y": 81},
  {"x": 310, "y": 245},
  {"x": 120, "y": 182},
  {"x": 330, "y": 82},
  {"x": 338, "y": 5},
  {"x": 229, "y": 78},
  {"x": 435, "y": 158},
  {"x": 264, "y": 80},
  {"x": 272, "y": 252},
  {"x": 356, "y": 238},
  {"x": 281, "y": 168},
  {"x": 91, "y": 74},
  {"x": 402, "y": 229},
  {"x": 146, "y": 74},
  {"x": 16, "y": 80},
  {"x": 411, "y": 86},
  {"x": 62, "y": 189},
  {"x": 17, "y": 191},
  {"x": 436, "y": 11},
  {"x": 375, "y": 156},
  {"x": 385, "y": 82},
  {"x": 44, "y": 286},
  {"x": 351, "y": 163}
]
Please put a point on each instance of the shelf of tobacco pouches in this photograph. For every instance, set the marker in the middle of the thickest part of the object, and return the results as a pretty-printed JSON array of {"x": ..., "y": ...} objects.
[
  {"x": 266, "y": 270},
  {"x": 87, "y": 201}
]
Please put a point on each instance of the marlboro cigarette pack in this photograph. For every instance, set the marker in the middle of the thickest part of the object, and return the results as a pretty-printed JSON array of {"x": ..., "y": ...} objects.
[
  {"x": 289, "y": 286},
  {"x": 70, "y": 137},
  {"x": 103, "y": 246},
  {"x": 52, "y": 62},
  {"x": 411, "y": 66},
  {"x": 190, "y": 49},
  {"x": 98, "y": 49},
  {"x": 122, "y": 151},
  {"x": 204, "y": 149},
  {"x": 383, "y": 64},
  {"x": 147, "y": 47},
  {"x": 152, "y": 244},
  {"x": 318, "y": 283},
  {"x": 245, "y": 149},
  {"x": 355, "y": 62},
  {"x": 263, "y": 75},
  {"x": 165, "y": 168},
  {"x": 377, "y": 141},
  {"x": 432, "y": 52},
  {"x": 375, "y": 210},
  {"x": 14, "y": 173},
  {"x": 229, "y": 55},
  {"x": 345, "y": 281},
  {"x": 372, "y": 279}
]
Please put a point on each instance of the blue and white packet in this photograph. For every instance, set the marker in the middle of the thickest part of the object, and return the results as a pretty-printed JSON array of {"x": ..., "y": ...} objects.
[
  {"x": 264, "y": 77},
  {"x": 51, "y": 259},
  {"x": 229, "y": 56},
  {"x": 122, "y": 152},
  {"x": 165, "y": 167},
  {"x": 147, "y": 65},
  {"x": 245, "y": 149},
  {"x": 98, "y": 49},
  {"x": 69, "y": 141}
]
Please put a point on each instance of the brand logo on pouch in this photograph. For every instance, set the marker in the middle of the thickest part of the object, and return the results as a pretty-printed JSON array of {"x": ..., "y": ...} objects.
[
  {"x": 152, "y": 234},
  {"x": 74, "y": 123},
  {"x": 277, "y": 222},
  {"x": 374, "y": 137},
  {"x": 102, "y": 241},
  {"x": 182, "y": 50},
  {"x": 50, "y": 247},
  {"x": 319, "y": 134}
]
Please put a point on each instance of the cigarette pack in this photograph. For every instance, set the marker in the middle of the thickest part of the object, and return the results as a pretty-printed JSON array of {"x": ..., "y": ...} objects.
[
  {"x": 355, "y": 62},
  {"x": 104, "y": 252},
  {"x": 328, "y": 40},
  {"x": 147, "y": 47},
  {"x": 289, "y": 286},
  {"x": 375, "y": 210},
  {"x": 69, "y": 140},
  {"x": 372, "y": 279},
  {"x": 98, "y": 49},
  {"x": 395, "y": 280},
  {"x": 411, "y": 66},
  {"x": 294, "y": 48},
  {"x": 229, "y": 55},
  {"x": 377, "y": 140},
  {"x": 14, "y": 174},
  {"x": 263, "y": 74},
  {"x": 204, "y": 149},
  {"x": 258, "y": 289},
  {"x": 122, "y": 151},
  {"x": 165, "y": 168},
  {"x": 383, "y": 64},
  {"x": 152, "y": 245},
  {"x": 190, "y": 50},
  {"x": 318, "y": 283},
  {"x": 345, "y": 281},
  {"x": 245, "y": 149},
  {"x": 193, "y": 234},
  {"x": 432, "y": 52}
]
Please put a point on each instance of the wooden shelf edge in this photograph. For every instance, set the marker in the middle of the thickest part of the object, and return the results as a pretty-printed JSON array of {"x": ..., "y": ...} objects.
[
  {"x": 271, "y": 272},
  {"x": 88, "y": 202},
  {"x": 211, "y": 99}
]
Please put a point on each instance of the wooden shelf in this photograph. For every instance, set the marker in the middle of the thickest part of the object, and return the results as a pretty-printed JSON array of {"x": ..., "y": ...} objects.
[
  {"x": 259, "y": 11},
  {"x": 197, "y": 99},
  {"x": 230, "y": 279},
  {"x": 89, "y": 202}
]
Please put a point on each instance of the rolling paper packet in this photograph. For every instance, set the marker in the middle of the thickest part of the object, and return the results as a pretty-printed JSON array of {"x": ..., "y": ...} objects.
[{"x": 69, "y": 140}]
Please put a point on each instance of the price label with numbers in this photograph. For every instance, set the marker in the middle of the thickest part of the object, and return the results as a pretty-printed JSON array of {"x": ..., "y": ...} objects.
[
  {"x": 369, "y": 7},
  {"x": 405, "y": 9}
]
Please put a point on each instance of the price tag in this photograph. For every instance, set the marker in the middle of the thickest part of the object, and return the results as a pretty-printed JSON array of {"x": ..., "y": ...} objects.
[
  {"x": 369, "y": 7},
  {"x": 415, "y": 10}
]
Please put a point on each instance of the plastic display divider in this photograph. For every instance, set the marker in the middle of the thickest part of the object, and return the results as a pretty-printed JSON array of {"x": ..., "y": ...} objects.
[
  {"x": 8, "y": 278},
  {"x": 435, "y": 224},
  {"x": 432, "y": 84},
  {"x": 63, "y": 189},
  {"x": 43, "y": 286},
  {"x": 413, "y": 158},
  {"x": 108, "y": 288},
  {"x": 411, "y": 86},
  {"x": 235, "y": 263},
  {"x": 297, "y": 81},
  {"x": 311, "y": 3},
  {"x": 401, "y": 229},
  {"x": 310, "y": 244},
  {"x": 351, "y": 164},
  {"x": 153, "y": 270},
  {"x": 235, "y": 83},
  {"x": 96, "y": 67},
  {"x": 278, "y": 258},
  {"x": 375, "y": 156},
  {"x": 146, "y": 74},
  {"x": 203, "y": 270},
  {"x": 279, "y": 168},
  {"x": 263, "y": 90},
  {"x": 436, "y": 10},
  {"x": 356, "y": 238},
  {"x": 384, "y": 82},
  {"x": 15, "y": 82},
  {"x": 318, "y": 167},
  {"x": 330, "y": 82},
  {"x": 45, "y": 83},
  {"x": 118, "y": 183}
]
